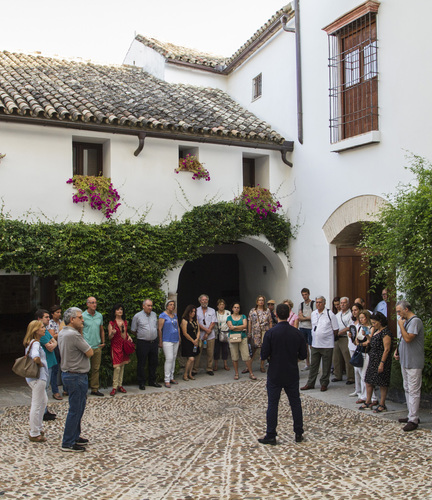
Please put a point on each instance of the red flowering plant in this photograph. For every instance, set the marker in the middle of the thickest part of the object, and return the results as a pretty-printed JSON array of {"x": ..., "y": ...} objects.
[
  {"x": 190, "y": 163},
  {"x": 98, "y": 191},
  {"x": 260, "y": 200}
]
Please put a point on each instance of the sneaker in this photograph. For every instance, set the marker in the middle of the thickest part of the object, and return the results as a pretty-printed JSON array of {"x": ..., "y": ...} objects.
[
  {"x": 353, "y": 395},
  {"x": 82, "y": 441},
  {"x": 73, "y": 448},
  {"x": 305, "y": 368}
]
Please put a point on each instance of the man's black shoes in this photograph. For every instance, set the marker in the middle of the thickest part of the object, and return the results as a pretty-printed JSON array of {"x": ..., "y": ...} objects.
[
  {"x": 155, "y": 384},
  {"x": 298, "y": 438},
  {"x": 49, "y": 416},
  {"x": 267, "y": 440},
  {"x": 97, "y": 393}
]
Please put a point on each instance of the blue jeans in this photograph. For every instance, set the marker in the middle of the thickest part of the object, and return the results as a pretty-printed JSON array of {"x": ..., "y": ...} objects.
[
  {"x": 77, "y": 384},
  {"x": 307, "y": 333},
  {"x": 53, "y": 380}
]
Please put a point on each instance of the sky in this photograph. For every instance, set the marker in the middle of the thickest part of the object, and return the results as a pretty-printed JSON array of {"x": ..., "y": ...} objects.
[{"x": 102, "y": 30}]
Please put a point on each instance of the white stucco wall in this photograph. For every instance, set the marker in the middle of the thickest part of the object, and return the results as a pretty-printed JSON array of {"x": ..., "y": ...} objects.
[
  {"x": 146, "y": 58},
  {"x": 277, "y": 105},
  {"x": 180, "y": 74},
  {"x": 33, "y": 175},
  {"x": 322, "y": 181}
]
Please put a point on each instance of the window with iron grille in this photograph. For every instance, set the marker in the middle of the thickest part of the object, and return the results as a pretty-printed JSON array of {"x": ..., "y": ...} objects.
[
  {"x": 353, "y": 72},
  {"x": 257, "y": 87}
]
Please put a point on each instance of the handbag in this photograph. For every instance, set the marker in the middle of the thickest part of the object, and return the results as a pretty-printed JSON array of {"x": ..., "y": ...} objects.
[
  {"x": 26, "y": 366},
  {"x": 128, "y": 346},
  {"x": 223, "y": 335},
  {"x": 357, "y": 358},
  {"x": 235, "y": 338}
]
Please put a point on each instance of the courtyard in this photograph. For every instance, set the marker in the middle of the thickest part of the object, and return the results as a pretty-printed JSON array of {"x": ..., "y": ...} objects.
[{"x": 200, "y": 442}]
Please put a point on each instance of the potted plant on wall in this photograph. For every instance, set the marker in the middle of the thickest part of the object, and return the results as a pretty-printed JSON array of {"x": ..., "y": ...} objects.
[
  {"x": 260, "y": 200},
  {"x": 96, "y": 190},
  {"x": 190, "y": 163}
]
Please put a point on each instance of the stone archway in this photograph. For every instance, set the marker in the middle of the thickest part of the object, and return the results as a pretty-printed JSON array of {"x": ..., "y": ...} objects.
[
  {"x": 343, "y": 232},
  {"x": 259, "y": 271}
]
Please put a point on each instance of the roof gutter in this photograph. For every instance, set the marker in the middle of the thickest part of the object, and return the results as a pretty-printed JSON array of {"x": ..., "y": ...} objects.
[
  {"x": 284, "y": 21},
  {"x": 284, "y": 148}
]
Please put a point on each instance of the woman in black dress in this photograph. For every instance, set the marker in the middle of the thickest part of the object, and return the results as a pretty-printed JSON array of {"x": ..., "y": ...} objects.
[
  {"x": 379, "y": 368},
  {"x": 190, "y": 331}
]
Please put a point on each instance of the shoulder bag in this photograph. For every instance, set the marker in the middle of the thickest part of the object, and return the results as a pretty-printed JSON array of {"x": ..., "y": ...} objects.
[{"x": 26, "y": 366}]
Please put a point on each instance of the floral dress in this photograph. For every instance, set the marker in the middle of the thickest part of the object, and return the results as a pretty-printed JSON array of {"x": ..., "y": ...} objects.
[
  {"x": 119, "y": 357},
  {"x": 260, "y": 323}
]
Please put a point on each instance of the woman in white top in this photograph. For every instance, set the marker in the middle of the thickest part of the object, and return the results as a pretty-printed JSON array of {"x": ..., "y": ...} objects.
[
  {"x": 33, "y": 348},
  {"x": 221, "y": 343}
]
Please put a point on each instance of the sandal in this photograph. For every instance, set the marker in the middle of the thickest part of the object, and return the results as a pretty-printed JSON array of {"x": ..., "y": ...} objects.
[
  {"x": 191, "y": 378},
  {"x": 227, "y": 368},
  {"x": 122, "y": 389},
  {"x": 185, "y": 379},
  {"x": 262, "y": 370},
  {"x": 113, "y": 392},
  {"x": 245, "y": 370},
  {"x": 167, "y": 385},
  {"x": 360, "y": 401},
  {"x": 57, "y": 396},
  {"x": 366, "y": 406},
  {"x": 380, "y": 409},
  {"x": 236, "y": 376},
  {"x": 252, "y": 376},
  {"x": 173, "y": 382},
  {"x": 38, "y": 439}
]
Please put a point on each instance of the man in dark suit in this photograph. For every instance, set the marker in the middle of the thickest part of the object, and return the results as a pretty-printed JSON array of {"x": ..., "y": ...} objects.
[{"x": 283, "y": 346}]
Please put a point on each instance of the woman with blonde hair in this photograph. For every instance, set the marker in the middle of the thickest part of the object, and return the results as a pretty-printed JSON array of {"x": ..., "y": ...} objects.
[
  {"x": 259, "y": 322},
  {"x": 33, "y": 349},
  {"x": 293, "y": 319}
]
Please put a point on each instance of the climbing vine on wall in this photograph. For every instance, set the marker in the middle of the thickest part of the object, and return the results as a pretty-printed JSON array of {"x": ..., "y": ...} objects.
[{"x": 126, "y": 262}]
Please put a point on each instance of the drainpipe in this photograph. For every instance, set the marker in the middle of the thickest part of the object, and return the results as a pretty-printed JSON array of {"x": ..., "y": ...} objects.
[{"x": 284, "y": 21}]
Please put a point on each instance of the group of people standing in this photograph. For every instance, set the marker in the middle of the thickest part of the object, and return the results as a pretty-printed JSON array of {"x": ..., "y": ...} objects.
[
  {"x": 316, "y": 334},
  {"x": 353, "y": 339}
]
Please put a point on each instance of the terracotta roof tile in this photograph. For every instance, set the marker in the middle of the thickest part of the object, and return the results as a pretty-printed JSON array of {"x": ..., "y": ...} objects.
[
  {"x": 35, "y": 86},
  {"x": 178, "y": 54}
]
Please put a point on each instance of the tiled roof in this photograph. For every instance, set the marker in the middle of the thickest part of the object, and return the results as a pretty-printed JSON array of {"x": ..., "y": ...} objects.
[
  {"x": 57, "y": 90},
  {"x": 177, "y": 54}
]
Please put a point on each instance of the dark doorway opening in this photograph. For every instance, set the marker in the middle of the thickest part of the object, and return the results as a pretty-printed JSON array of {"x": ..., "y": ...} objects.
[
  {"x": 216, "y": 275},
  {"x": 20, "y": 297}
]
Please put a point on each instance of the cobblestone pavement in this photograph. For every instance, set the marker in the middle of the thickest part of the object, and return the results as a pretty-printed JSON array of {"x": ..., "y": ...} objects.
[{"x": 202, "y": 444}]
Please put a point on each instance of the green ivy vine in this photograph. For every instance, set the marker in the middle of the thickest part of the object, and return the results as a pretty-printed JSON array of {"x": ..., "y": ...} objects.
[{"x": 125, "y": 261}]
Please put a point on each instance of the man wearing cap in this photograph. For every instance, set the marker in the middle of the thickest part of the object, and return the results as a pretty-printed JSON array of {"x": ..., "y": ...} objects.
[{"x": 271, "y": 306}]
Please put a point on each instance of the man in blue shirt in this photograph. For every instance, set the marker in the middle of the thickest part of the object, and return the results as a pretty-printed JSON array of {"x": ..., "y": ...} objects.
[{"x": 94, "y": 335}]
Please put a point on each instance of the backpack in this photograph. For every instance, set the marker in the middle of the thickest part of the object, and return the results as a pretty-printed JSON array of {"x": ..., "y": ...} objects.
[{"x": 311, "y": 304}]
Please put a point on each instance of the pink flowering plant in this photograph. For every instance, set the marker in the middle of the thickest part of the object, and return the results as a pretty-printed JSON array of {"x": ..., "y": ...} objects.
[
  {"x": 260, "y": 200},
  {"x": 98, "y": 191},
  {"x": 190, "y": 163}
]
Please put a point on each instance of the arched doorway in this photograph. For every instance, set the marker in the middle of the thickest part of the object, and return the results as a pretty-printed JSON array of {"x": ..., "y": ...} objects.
[
  {"x": 343, "y": 232},
  {"x": 239, "y": 271}
]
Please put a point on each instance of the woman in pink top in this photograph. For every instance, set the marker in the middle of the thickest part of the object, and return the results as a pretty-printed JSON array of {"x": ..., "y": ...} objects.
[{"x": 293, "y": 319}]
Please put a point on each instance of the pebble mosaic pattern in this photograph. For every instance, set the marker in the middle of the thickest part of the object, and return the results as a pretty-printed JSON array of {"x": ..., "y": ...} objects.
[{"x": 202, "y": 444}]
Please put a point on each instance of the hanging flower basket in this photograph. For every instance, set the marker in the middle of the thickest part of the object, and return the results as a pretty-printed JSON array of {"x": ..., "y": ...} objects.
[
  {"x": 191, "y": 163},
  {"x": 259, "y": 200},
  {"x": 98, "y": 191}
]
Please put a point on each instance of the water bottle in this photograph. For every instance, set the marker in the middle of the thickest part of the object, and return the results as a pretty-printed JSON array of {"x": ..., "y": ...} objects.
[
  {"x": 195, "y": 349},
  {"x": 205, "y": 344}
]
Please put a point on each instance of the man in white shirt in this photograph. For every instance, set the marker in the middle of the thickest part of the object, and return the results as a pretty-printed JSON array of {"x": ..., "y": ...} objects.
[
  {"x": 341, "y": 353},
  {"x": 382, "y": 306},
  {"x": 324, "y": 329},
  {"x": 206, "y": 317}
]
